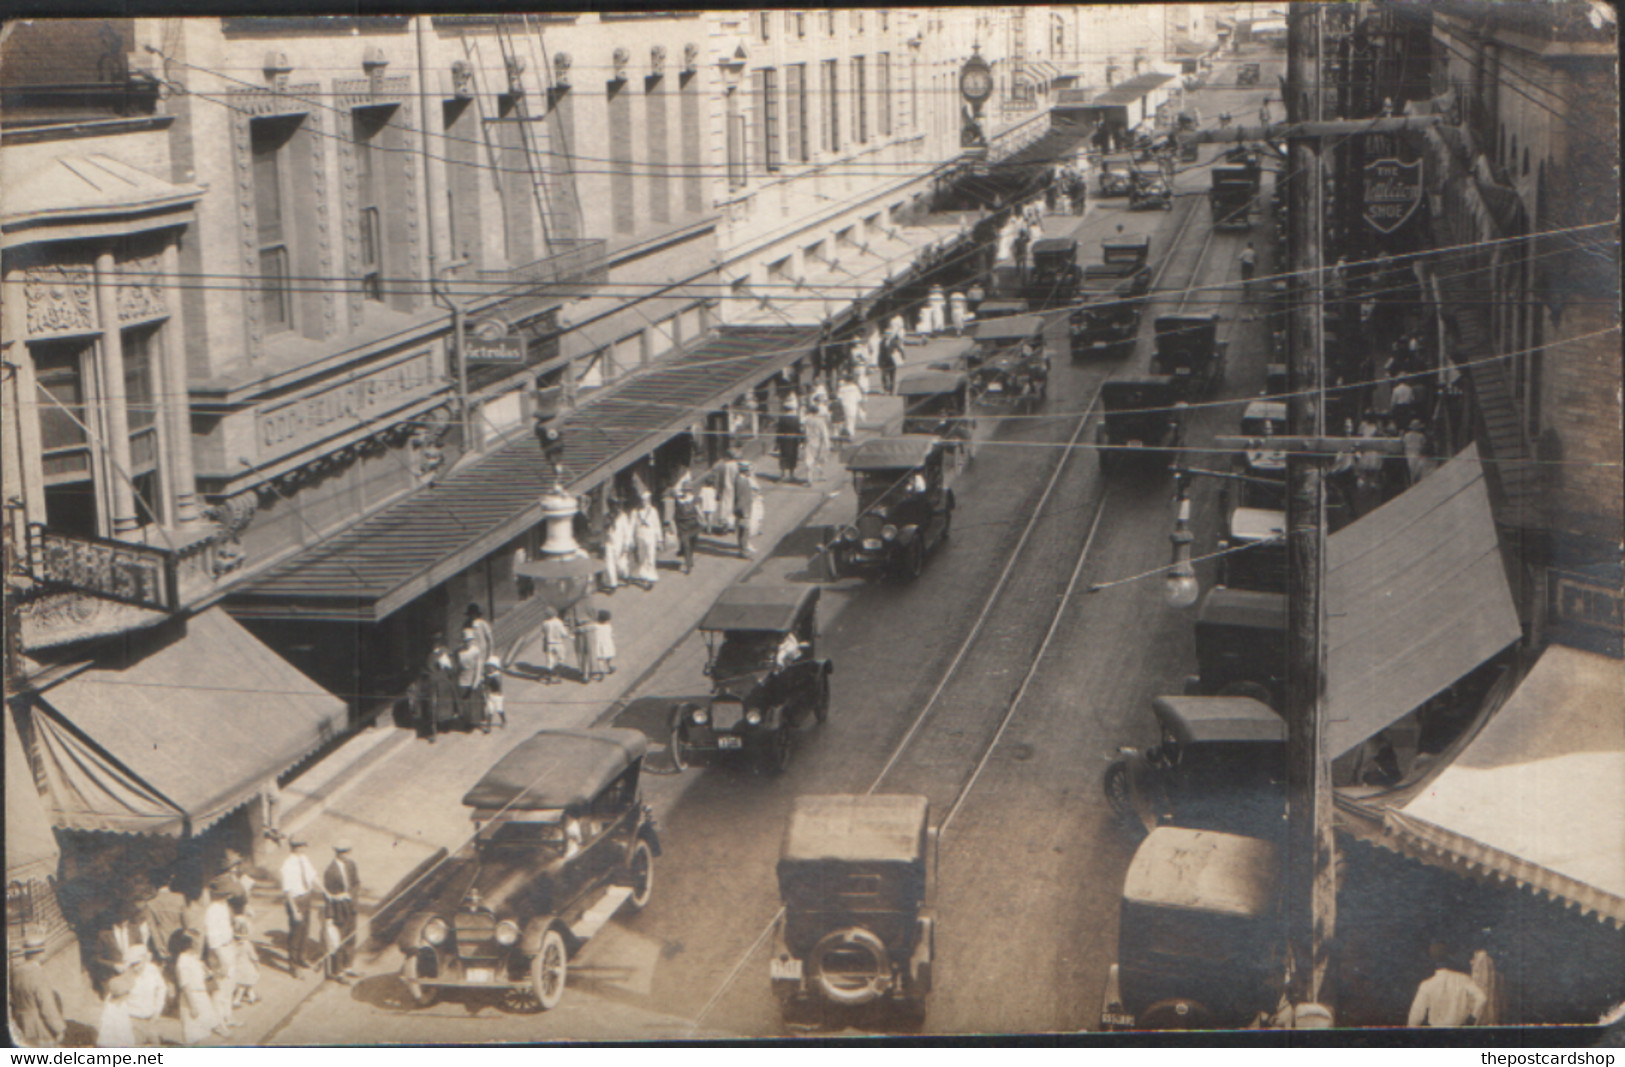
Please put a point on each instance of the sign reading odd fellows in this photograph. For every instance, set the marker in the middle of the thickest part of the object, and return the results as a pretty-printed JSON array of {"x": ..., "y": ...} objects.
[
  {"x": 351, "y": 402},
  {"x": 1392, "y": 192}
]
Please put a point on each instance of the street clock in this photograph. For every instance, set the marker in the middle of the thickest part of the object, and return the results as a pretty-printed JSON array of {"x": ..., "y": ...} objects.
[{"x": 976, "y": 80}]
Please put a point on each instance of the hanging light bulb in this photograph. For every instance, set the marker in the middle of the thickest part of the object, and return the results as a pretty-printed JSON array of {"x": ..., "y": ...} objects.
[{"x": 1180, "y": 583}]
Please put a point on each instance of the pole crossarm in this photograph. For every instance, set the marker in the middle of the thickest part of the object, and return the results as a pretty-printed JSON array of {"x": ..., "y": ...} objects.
[
  {"x": 1299, "y": 131},
  {"x": 1315, "y": 446}
]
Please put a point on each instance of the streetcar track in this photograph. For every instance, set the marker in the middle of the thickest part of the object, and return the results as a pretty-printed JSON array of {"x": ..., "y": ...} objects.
[{"x": 1038, "y": 514}]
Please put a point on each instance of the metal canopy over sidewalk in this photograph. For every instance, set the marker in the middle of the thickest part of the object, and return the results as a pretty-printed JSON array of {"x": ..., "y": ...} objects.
[
  {"x": 383, "y": 563},
  {"x": 1417, "y": 597},
  {"x": 173, "y": 743},
  {"x": 1539, "y": 795}
]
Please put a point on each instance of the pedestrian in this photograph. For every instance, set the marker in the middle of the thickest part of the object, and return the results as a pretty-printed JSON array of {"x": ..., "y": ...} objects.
[
  {"x": 437, "y": 693},
  {"x": 789, "y": 434},
  {"x": 851, "y": 398},
  {"x": 1368, "y": 472},
  {"x": 1052, "y": 193},
  {"x": 686, "y": 522},
  {"x": 340, "y": 883},
  {"x": 724, "y": 476},
  {"x": 1249, "y": 264},
  {"x": 600, "y": 642},
  {"x": 555, "y": 644},
  {"x": 898, "y": 328},
  {"x": 219, "y": 940},
  {"x": 668, "y": 499},
  {"x": 114, "y": 1027},
  {"x": 165, "y": 916},
  {"x": 747, "y": 509},
  {"x": 613, "y": 531},
  {"x": 1018, "y": 250},
  {"x": 470, "y": 664},
  {"x": 646, "y": 542},
  {"x": 199, "y": 1018},
  {"x": 474, "y": 619},
  {"x": 707, "y": 506},
  {"x": 1449, "y": 997},
  {"x": 495, "y": 709},
  {"x": 298, "y": 899},
  {"x": 1402, "y": 404},
  {"x": 816, "y": 427},
  {"x": 149, "y": 995},
  {"x": 891, "y": 357},
  {"x": 1416, "y": 452},
  {"x": 957, "y": 313},
  {"x": 35, "y": 1005},
  {"x": 935, "y": 316},
  {"x": 116, "y": 944},
  {"x": 245, "y": 973}
]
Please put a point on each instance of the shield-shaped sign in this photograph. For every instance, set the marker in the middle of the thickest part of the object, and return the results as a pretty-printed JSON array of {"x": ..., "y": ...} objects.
[{"x": 1392, "y": 192}]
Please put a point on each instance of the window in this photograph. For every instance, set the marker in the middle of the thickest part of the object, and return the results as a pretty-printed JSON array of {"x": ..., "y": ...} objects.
[
  {"x": 767, "y": 102},
  {"x": 367, "y": 123},
  {"x": 829, "y": 22},
  {"x": 268, "y": 140},
  {"x": 885, "y": 20},
  {"x": 795, "y": 119},
  {"x": 70, "y": 495},
  {"x": 883, "y": 76},
  {"x": 832, "y": 106},
  {"x": 764, "y": 22},
  {"x": 860, "y": 103},
  {"x": 736, "y": 142},
  {"x": 857, "y": 20},
  {"x": 141, "y": 416},
  {"x": 801, "y": 23}
]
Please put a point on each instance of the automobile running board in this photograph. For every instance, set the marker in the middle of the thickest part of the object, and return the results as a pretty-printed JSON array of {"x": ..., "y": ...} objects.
[{"x": 594, "y": 918}]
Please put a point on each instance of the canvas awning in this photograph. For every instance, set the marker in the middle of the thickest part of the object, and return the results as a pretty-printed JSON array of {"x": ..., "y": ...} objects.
[
  {"x": 1539, "y": 795},
  {"x": 1417, "y": 597},
  {"x": 31, "y": 850},
  {"x": 178, "y": 739}
]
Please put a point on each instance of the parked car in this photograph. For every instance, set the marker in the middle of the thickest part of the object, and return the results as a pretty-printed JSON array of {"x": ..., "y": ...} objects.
[
  {"x": 1240, "y": 645},
  {"x": 905, "y": 508},
  {"x": 937, "y": 403},
  {"x": 1230, "y": 199},
  {"x": 1247, "y": 75},
  {"x": 1189, "y": 351},
  {"x": 1199, "y": 933},
  {"x": 1116, "y": 176},
  {"x": 1221, "y": 765},
  {"x": 1055, "y": 274},
  {"x": 1262, "y": 469},
  {"x": 1150, "y": 192},
  {"x": 856, "y": 876},
  {"x": 1254, "y": 547},
  {"x": 563, "y": 841},
  {"x": 1009, "y": 362},
  {"x": 1142, "y": 423},
  {"x": 767, "y": 679}
]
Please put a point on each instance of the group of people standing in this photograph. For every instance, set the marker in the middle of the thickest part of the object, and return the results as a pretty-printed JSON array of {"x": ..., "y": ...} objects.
[{"x": 462, "y": 688}]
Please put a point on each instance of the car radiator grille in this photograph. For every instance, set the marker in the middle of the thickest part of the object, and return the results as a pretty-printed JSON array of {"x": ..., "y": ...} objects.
[{"x": 476, "y": 936}]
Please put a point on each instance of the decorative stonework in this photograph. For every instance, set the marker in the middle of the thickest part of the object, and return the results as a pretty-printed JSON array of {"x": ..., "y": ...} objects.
[
  {"x": 141, "y": 290},
  {"x": 657, "y": 59},
  {"x": 462, "y": 80},
  {"x": 516, "y": 75},
  {"x": 379, "y": 90},
  {"x": 620, "y": 59},
  {"x": 561, "y": 70},
  {"x": 60, "y": 299},
  {"x": 324, "y": 225},
  {"x": 350, "y": 205}
]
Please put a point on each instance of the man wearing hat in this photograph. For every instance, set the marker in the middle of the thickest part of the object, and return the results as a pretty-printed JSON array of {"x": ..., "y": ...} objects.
[
  {"x": 299, "y": 885},
  {"x": 340, "y": 883},
  {"x": 36, "y": 1009}
]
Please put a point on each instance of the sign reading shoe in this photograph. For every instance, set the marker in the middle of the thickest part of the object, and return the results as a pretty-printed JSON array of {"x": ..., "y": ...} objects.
[{"x": 1392, "y": 192}]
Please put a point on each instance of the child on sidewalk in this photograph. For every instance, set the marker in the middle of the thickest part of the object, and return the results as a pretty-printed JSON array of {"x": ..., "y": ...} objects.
[
  {"x": 245, "y": 967},
  {"x": 494, "y": 709},
  {"x": 555, "y": 645},
  {"x": 600, "y": 648}
]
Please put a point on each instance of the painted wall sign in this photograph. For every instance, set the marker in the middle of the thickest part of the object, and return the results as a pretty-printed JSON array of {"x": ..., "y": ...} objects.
[
  {"x": 1392, "y": 192},
  {"x": 348, "y": 403}
]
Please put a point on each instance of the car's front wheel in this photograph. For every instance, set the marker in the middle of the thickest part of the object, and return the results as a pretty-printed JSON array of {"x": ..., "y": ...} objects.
[
  {"x": 675, "y": 746},
  {"x": 549, "y": 970},
  {"x": 418, "y": 995},
  {"x": 640, "y": 873}
]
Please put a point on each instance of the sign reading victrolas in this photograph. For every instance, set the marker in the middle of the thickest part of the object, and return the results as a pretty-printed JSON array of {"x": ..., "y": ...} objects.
[{"x": 1392, "y": 192}]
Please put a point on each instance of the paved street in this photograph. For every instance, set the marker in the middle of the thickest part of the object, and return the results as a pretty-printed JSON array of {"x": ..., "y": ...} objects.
[{"x": 1031, "y": 865}]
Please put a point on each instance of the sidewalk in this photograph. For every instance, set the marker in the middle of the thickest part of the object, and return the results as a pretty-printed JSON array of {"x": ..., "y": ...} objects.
[{"x": 395, "y": 797}]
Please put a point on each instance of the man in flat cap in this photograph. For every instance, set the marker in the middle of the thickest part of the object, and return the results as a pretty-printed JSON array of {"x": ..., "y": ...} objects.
[
  {"x": 340, "y": 883},
  {"x": 36, "y": 1009}
]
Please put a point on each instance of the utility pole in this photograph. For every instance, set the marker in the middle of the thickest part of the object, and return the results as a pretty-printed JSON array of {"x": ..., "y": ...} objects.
[{"x": 1311, "y": 893}]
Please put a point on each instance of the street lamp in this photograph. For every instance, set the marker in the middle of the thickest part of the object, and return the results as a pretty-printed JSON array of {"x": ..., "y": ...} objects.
[{"x": 1179, "y": 584}]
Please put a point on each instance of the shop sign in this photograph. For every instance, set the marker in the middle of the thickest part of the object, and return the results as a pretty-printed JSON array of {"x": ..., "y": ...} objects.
[
  {"x": 113, "y": 570},
  {"x": 347, "y": 404},
  {"x": 1589, "y": 605},
  {"x": 1392, "y": 192},
  {"x": 492, "y": 341}
]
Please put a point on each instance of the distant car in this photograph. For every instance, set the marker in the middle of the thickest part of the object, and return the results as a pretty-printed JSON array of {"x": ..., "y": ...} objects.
[
  {"x": 855, "y": 874},
  {"x": 767, "y": 679},
  {"x": 562, "y": 842},
  {"x": 1189, "y": 350},
  {"x": 905, "y": 507},
  {"x": 1055, "y": 274},
  {"x": 1248, "y": 74},
  {"x": 1150, "y": 192},
  {"x": 1240, "y": 645},
  {"x": 1116, "y": 177},
  {"x": 1142, "y": 423}
]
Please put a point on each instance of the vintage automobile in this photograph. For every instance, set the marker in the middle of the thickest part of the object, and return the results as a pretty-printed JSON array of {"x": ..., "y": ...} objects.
[
  {"x": 563, "y": 841},
  {"x": 856, "y": 875},
  {"x": 1247, "y": 75},
  {"x": 1124, "y": 269},
  {"x": 1150, "y": 192},
  {"x": 1006, "y": 294},
  {"x": 1199, "y": 935},
  {"x": 905, "y": 508},
  {"x": 1116, "y": 176},
  {"x": 1262, "y": 470},
  {"x": 1055, "y": 274},
  {"x": 1190, "y": 352},
  {"x": 1009, "y": 362},
  {"x": 761, "y": 646},
  {"x": 937, "y": 403},
  {"x": 1240, "y": 645},
  {"x": 1142, "y": 424},
  {"x": 1221, "y": 765},
  {"x": 1108, "y": 328},
  {"x": 1255, "y": 550},
  {"x": 1230, "y": 199}
]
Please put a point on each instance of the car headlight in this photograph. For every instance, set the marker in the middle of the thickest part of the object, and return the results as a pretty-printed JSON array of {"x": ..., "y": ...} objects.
[
  {"x": 507, "y": 932},
  {"x": 889, "y": 532},
  {"x": 701, "y": 716},
  {"x": 434, "y": 931},
  {"x": 753, "y": 717}
]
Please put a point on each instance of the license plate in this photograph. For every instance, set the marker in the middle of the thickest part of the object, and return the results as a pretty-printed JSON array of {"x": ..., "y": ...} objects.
[
  {"x": 725, "y": 741},
  {"x": 1112, "y": 1019},
  {"x": 1182, "y": 370},
  {"x": 1135, "y": 444},
  {"x": 871, "y": 545},
  {"x": 480, "y": 974},
  {"x": 995, "y": 387}
]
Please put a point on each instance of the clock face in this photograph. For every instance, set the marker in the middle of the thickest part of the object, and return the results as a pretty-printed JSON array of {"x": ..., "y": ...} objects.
[{"x": 976, "y": 83}]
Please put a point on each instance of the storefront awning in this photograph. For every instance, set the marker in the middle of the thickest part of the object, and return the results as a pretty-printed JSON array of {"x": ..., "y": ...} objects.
[
  {"x": 1539, "y": 795},
  {"x": 1417, "y": 597},
  {"x": 31, "y": 850},
  {"x": 181, "y": 737},
  {"x": 378, "y": 566}
]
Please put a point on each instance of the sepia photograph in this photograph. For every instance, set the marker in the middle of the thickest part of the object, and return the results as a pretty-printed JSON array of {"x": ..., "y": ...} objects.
[{"x": 638, "y": 526}]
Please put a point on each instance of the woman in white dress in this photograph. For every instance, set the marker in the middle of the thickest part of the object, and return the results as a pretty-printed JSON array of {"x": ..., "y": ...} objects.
[
  {"x": 851, "y": 397},
  {"x": 197, "y": 1008},
  {"x": 646, "y": 538}
]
